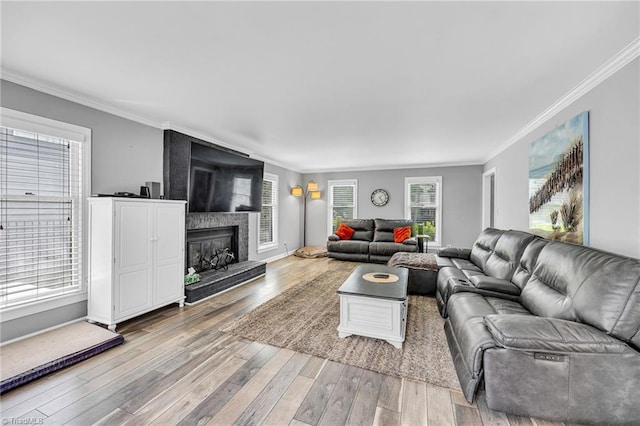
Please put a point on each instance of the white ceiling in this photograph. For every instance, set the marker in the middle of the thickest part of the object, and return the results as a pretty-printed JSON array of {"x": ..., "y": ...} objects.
[{"x": 321, "y": 85}]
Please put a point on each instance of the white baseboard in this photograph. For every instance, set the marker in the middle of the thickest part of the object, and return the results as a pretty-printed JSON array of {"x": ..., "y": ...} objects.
[{"x": 279, "y": 256}]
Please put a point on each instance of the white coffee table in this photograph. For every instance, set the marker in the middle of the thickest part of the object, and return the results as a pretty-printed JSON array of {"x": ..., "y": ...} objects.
[{"x": 373, "y": 305}]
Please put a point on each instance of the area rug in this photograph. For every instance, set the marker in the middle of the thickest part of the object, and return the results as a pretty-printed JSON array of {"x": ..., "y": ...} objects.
[
  {"x": 304, "y": 318},
  {"x": 28, "y": 359}
]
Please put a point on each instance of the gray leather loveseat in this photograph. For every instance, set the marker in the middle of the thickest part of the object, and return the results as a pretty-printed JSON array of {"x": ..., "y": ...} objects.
[
  {"x": 372, "y": 241},
  {"x": 552, "y": 328}
]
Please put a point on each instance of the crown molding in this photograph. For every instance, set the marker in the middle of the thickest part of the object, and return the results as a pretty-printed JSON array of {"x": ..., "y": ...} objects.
[
  {"x": 613, "y": 65},
  {"x": 394, "y": 167},
  {"x": 69, "y": 96}
]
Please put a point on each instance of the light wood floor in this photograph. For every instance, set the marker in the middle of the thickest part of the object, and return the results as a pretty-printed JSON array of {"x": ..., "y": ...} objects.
[{"x": 177, "y": 368}]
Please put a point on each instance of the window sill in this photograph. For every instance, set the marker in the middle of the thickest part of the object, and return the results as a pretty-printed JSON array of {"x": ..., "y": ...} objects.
[
  {"x": 267, "y": 247},
  {"x": 27, "y": 309}
]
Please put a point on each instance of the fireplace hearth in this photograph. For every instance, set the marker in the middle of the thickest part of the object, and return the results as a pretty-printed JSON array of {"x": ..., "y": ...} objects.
[{"x": 212, "y": 239}]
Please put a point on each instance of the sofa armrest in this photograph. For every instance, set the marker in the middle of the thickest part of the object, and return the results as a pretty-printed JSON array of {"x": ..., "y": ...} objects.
[
  {"x": 540, "y": 334},
  {"x": 333, "y": 237},
  {"x": 411, "y": 241},
  {"x": 455, "y": 252},
  {"x": 484, "y": 282}
]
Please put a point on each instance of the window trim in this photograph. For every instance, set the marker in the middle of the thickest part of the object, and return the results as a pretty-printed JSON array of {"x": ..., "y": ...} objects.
[
  {"x": 407, "y": 207},
  {"x": 33, "y": 123},
  {"x": 340, "y": 182},
  {"x": 273, "y": 244}
]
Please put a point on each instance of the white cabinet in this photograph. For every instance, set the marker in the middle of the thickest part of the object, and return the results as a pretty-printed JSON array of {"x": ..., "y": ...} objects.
[{"x": 136, "y": 257}]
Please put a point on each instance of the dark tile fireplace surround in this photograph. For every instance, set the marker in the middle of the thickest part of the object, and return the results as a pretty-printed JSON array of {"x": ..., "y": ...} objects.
[{"x": 207, "y": 231}]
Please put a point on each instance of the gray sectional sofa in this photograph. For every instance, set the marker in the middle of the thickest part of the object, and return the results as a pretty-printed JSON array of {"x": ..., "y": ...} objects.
[
  {"x": 552, "y": 328},
  {"x": 371, "y": 242}
]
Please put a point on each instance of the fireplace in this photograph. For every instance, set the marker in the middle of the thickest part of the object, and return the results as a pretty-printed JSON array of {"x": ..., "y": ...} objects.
[{"x": 212, "y": 248}]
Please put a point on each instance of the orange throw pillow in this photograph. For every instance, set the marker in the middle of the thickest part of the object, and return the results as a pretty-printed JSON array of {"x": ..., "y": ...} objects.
[
  {"x": 401, "y": 234},
  {"x": 344, "y": 232}
]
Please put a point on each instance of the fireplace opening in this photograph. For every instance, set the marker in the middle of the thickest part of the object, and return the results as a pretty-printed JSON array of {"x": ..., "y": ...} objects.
[{"x": 212, "y": 249}]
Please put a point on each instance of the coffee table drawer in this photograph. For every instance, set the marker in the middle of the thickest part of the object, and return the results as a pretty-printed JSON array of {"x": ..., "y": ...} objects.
[{"x": 371, "y": 317}]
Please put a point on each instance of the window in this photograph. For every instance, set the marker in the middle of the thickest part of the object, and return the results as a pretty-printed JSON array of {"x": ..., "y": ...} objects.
[
  {"x": 268, "y": 226},
  {"x": 342, "y": 201},
  {"x": 44, "y": 176},
  {"x": 423, "y": 205}
]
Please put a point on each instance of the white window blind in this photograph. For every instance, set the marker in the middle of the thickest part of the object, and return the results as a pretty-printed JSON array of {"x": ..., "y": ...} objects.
[
  {"x": 41, "y": 199},
  {"x": 423, "y": 204},
  {"x": 268, "y": 215},
  {"x": 342, "y": 202}
]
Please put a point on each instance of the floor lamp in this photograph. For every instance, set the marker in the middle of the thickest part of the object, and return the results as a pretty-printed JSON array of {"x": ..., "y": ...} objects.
[{"x": 310, "y": 191}]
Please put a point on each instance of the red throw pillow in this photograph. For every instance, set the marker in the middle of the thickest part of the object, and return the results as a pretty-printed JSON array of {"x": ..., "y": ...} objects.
[
  {"x": 401, "y": 234},
  {"x": 344, "y": 232}
]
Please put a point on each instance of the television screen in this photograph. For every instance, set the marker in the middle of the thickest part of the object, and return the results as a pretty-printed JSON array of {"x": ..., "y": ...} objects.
[{"x": 222, "y": 181}]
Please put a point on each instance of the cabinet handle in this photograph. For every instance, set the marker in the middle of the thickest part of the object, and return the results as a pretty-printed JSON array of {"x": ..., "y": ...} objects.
[{"x": 153, "y": 239}]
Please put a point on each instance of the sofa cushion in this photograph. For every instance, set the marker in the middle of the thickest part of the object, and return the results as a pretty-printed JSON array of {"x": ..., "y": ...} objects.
[
  {"x": 466, "y": 316},
  {"x": 483, "y": 246},
  {"x": 384, "y": 229},
  {"x": 344, "y": 232},
  {"x": 540, "y": 334},
  {"x": 348, "y": 246},
  {"x": 462, "y": 253},
  {"x": 363, "y": 229},
  {"x": 483, "y": 282},
  {"x": 527, "y": 262},
  {"x": 402, "y": 233},
  {"x": 587, "y": 285},
  {"x": 389, "y": 249},
  {"x": 506, "y": 254}
]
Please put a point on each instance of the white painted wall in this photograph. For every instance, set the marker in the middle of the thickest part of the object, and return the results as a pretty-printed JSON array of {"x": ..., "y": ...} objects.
[{"x": 614, "y": 144}]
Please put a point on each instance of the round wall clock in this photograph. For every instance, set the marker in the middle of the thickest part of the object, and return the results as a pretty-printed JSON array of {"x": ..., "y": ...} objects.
[{"x": 379, "y": 197}]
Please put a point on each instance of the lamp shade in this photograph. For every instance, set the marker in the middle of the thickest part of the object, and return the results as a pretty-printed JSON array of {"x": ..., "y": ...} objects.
[
  {"x": 315, "y": 195},
  {"x": 312, "y": 186},
  {"x": 296, "y": 191}
]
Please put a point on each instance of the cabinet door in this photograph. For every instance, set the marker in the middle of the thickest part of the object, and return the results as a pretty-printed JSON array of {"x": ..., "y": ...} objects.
[
  {"x": 133, "y": 263},
  {"x": 169, "y": 253}
]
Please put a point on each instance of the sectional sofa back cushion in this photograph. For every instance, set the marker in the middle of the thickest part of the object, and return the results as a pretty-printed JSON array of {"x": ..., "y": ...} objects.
[
  {"x": 363, "y": 229},
  {"x": 586, "y": 285},
  {"x": 385, "y": 227},
  {"x": 484, "y": 245},
  {"x": 502, "y": 263},
  {"x": 528, "y": 262}
]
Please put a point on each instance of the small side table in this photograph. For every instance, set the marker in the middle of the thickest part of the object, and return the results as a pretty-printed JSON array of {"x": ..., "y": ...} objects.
[{"x": 423, "y": 243}]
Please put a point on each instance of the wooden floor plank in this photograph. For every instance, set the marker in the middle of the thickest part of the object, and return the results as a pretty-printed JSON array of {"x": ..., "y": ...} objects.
[
  {"x": 241, "y": 400},
  {"x": 386, "y": 417},
  {"x": 315, "y": 403},
  {"x": 211, "y": 405},
  {"x": 390, "y": 393},
  {"x": 342, "y": 397},
  {"x": 284, "y": 410},
  {"x": 313, "y": 367},
  {"x": 173, "y": 413},
  {"x": 262, "y": 404},
  {"x": 439, "y": 409},
  {"x": 414, "y": 403},
  {"x": 467, "y": 415},
  {"x": 116, "y": 417},
  {"x": 364, "y": 405}
]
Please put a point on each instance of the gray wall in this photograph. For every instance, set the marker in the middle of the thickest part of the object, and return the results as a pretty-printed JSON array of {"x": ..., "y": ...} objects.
[
  {"x": 126, "y": 154},
  {"x": 461, "y": 200},
  {"x": 614, "y": 144}
]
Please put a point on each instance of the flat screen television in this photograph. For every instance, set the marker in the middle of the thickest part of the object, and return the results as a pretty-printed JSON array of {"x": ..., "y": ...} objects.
[{"x": 223, "y": 181}]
